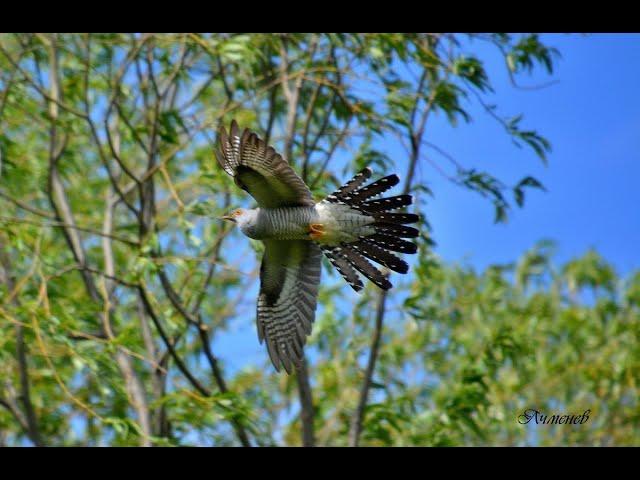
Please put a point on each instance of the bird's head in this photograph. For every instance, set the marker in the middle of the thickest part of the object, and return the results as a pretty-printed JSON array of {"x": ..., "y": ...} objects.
[{"x": 244, "y": 218}]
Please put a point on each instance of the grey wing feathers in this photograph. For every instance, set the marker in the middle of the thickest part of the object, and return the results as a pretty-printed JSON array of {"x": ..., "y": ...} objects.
[
  {"x": 260, "y": 170},
  {"x": 289, "y": 279}
]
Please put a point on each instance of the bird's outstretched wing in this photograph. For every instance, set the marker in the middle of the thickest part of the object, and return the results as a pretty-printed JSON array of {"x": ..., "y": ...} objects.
[
  {"x": 260, "y": 170},
  {"x": 289, "y": 279}
]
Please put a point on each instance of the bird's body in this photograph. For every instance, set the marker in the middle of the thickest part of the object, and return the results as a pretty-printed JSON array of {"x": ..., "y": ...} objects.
[
  {"x": 290, "y": 223},
  {"x": 341, "y": 223},
  {"x": 350, "y": 227}
]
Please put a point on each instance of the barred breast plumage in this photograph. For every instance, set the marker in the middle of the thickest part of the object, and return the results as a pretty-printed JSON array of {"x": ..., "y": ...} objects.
[
  {"x": 341, "y": 222},
  {"x": 287, "y": 223}
]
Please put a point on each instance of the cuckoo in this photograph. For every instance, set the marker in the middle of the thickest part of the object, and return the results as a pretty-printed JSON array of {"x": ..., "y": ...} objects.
[{"x": 350, "y": 227}]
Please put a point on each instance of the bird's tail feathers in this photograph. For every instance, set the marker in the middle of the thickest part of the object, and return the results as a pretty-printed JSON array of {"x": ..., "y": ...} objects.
[
  {"x": 348, "y": 259},
  {"x": 390, "y": 229}
]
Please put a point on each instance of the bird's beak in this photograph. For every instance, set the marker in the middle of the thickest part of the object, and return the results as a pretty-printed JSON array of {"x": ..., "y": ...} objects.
[{"x": 227, "y": 217}]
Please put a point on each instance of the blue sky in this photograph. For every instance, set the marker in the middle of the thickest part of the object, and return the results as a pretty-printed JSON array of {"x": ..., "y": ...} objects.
[{"x": 592, "y": 118}]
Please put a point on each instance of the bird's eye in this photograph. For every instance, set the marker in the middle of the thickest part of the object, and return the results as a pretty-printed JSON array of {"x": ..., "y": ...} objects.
[{"x": 237, "y": 213}]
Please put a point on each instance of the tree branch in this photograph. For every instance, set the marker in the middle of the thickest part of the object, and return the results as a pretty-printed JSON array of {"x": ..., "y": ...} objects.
[
  {"x": 71, "y": 227},
  {"x": 25, "y": 206},
  {"x": 358, "y": 418},
  {"x": 292, "y": 95},
  {"x": 30, "y": 420},
  {"x": 307, "y": 412}
]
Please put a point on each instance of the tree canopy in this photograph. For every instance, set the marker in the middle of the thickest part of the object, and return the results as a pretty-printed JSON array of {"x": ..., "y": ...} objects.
[{"x": 117, "y": 280}]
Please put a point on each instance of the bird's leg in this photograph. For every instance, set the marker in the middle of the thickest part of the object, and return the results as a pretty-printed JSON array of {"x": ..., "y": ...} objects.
[{"x": 316, "y": 231}]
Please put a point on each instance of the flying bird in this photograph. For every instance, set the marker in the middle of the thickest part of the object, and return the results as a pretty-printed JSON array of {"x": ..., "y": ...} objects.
[{"x": 349, "y": 226}]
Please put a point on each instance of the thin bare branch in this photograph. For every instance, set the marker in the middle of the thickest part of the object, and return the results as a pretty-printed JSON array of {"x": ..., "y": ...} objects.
[
  {"x": 332, "y": 148},
  {"x": 25, "y": 206},
  {"x": 68, "y": 227}
]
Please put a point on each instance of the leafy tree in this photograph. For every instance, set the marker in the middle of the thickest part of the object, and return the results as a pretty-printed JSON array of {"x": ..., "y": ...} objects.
[{"x": 117, "y": 280}]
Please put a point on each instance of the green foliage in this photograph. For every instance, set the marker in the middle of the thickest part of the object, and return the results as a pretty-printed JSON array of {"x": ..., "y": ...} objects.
[{"x": 528, "y": 51}]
